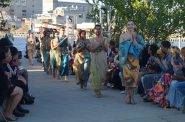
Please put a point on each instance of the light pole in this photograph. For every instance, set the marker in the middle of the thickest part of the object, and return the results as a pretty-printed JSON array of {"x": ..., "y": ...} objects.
[
  {"x": 76, "y": 19},
  {"x": 180, "y": 29},
  {"x": 179, "y": 39},
  {"x": 108, "y": 21},
  {"x": 100, "y": 13}
]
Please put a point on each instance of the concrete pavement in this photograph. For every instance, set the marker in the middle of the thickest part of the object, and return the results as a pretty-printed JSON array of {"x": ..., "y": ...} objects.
[{"x": 58, "y": 101}]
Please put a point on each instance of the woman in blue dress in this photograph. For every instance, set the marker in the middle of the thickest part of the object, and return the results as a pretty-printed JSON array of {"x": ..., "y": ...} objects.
[
  {"x": 63, "y": 44},
  {"x": 130, "y": 46},
  {"x": 176, "y": 95}
]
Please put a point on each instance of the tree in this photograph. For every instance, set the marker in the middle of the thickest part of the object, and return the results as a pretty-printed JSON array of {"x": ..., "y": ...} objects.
[
  {"x": 4, "y": 3},
  {"x": 94, "y": 14},
  {"x": 155, "y": 19}
]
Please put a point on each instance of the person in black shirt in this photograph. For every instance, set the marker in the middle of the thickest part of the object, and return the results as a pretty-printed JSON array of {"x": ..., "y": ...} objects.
[{"x": 12, "y": 93}]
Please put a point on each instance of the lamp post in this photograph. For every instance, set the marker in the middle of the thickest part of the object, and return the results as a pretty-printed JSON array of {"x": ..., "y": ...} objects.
[
  {"x": 179, "y": 39},
  {"x": 76, "y": 19},
  {"x": 108, "y": 21},
  {"x": 100, "y": 16},
  {"x": 180, "y": 29}
]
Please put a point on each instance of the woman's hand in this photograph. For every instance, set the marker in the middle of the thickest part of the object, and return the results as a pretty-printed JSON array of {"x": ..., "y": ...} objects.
[
  {"x": 157, "y": 60},
  {"x": 165, "y": 63},
  {"x": 8, "y": 74},
  {"x": 125, "y": 36}
]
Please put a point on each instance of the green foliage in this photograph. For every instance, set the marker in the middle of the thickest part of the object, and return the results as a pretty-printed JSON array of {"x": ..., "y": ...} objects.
[
  {"x": 155, "y": 19},
  {"x": 4, "y": 3}
]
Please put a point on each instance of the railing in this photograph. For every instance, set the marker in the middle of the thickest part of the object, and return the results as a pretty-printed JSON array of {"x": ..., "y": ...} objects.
[
  {"x": 20, "y": 35},
  {"x": 177, "y": 39}
]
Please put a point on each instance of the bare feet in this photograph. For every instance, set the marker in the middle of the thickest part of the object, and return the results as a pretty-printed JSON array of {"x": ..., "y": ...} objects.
[{"x": 98, "y": 94}]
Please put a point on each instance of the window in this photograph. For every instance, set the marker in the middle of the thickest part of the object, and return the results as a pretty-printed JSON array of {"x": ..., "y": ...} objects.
[
  {"x": 24, "y": 14},
  {"x": 23, "y": 2},
  {"x": 80, "y": 15},
  {"x": 11, "y": 10},
  {"x": 23, "y": 10},
  {"x": 17, "y": 2}
]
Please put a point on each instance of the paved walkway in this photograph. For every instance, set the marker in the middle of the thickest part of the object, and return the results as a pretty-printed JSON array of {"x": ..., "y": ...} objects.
[{"x": 58, "y": 101}]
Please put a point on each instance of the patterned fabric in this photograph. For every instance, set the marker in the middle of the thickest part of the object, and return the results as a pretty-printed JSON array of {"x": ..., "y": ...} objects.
[
  {"x": 159, "y": 92},
  {"x": 45, "y": 44},
  {"x": 152, "y": 65},
  {"x": 45, "y": 50},
  {"x": 130, "y": 72},
  {"x": 149, "y": 80},
  {"x": 64, "y": 45},
  {"x": 129, "y": 60},
  {"x": 82, "y": 62},
  {"x": 126, "y": 46},
  {"x": 64, "y": 58}
]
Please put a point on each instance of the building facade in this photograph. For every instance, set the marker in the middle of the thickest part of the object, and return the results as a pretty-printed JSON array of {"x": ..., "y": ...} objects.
[
  {"x": 25, "y": 8},
  {"x": 75, "y": 12}
]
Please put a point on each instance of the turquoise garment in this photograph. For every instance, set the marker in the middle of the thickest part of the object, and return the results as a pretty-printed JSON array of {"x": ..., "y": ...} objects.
[
  {"x": 85, "y": 67},
  {"x": 65, "y": 65},
  {"x": 127, "y": 46},
  {"x": 123, "y": 51},
  {"x": 64, "y": 56},
  {"x": 84, "y": 52},
  {"x": 64, "y": 44}
]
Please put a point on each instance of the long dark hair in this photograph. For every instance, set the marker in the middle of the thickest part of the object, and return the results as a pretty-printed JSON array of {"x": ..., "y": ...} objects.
[
  {"x": 80, "y": 32},
  {"x": 153, "y": 49},
  {"x": 3, "y": 50},
  {"x": 144, "y": 56}
]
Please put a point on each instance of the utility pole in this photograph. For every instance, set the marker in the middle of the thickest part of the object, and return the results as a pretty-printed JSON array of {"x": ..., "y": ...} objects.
[
  {"x": 100, "y": 13},
  {"x": 100, "y": 16},
  {"x": 108, "y": 21}
]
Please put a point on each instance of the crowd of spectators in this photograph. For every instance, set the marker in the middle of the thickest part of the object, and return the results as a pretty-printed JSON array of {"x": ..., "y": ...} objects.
[{"x": 14, "y": 90}]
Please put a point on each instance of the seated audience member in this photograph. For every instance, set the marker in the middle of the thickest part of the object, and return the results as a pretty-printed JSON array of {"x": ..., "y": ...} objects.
[
  {"x": 113, "y": 77},
  {"x": 21, "y": 77},
  {"x": 144, "y": 57},
  {"x": 151, "y": 71},
  {"x": 158, "y": 93},
  {"x": 142, "y": 63},
  {"x": 176, "y": 95},
  {"x": 12, "y": 94}
]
